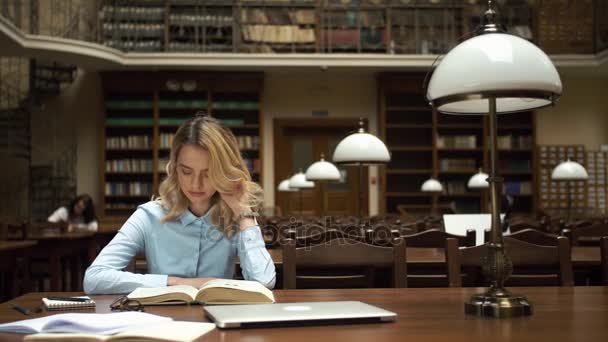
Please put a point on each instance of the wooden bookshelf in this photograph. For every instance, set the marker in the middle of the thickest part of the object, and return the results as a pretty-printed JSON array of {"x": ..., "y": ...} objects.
[
  {"x": 144, "y": 109},
  {"x": 450, "y": 148}
]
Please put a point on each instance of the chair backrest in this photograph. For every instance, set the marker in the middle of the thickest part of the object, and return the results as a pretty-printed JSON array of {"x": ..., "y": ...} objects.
[
  {"x": 342, "y": 254},
  {"x": 435, "y": 238},
  {"x": 533, "y": 264},
  {"x": 589, "y": 234},
  {"x": 13, "y": 230},
  {"x": 604, "y": 253},
  {"x": 536, "y": 237}
]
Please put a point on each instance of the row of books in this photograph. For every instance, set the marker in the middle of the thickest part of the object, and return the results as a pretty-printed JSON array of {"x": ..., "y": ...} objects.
[
  {"x": 172, "y": 104},
  {"x": 511, "y": 141},
  {"x": 280, "y": 34},
  {"x": 450, "y": 164},
  {"x": 166, "y": 139},
  {"x": 457, "y": 141},
  {"x": 120, "y": 205},
  {"x": 248, "y": 142},
  {"x": 135, "y": 44},
  {"x": 365, "y": 18},
  {"x": 128, "y": 189},
  {"x": 455, "y": 188},
  {"x": 518, "y": 188},
  {"x": 132, "y": 13},
  {"x": 215, "y": 19},
  {"x": 129, "y": 165},
  {"x": 133, "y": 29},
  {"x": 353, "y": 37},
  {"x": 129, "y": 142},
  {"x": 278, "y": 16},
  {"x": 253, "y": 165}
]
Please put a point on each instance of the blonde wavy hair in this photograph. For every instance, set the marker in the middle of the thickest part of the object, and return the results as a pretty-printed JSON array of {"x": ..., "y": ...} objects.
[{"x": 226, "y": 171}]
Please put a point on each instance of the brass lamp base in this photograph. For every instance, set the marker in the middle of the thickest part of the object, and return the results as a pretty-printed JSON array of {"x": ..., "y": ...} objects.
[{"x": 488, "y": 305}]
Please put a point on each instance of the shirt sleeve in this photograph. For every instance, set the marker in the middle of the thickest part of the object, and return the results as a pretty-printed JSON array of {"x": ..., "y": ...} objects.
[
  {"x": 256, "y": 263},
  {"x": 59, "y": 215},
  {"x": 106, "y": 275}
]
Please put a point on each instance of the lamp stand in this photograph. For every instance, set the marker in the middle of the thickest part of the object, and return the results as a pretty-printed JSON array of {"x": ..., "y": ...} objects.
[
  {"x": 569, "y": 190},
  {"x": 301, "y": 202},
  {"x": 496, "y": 301},
  {"x": 360, "y": 201}
]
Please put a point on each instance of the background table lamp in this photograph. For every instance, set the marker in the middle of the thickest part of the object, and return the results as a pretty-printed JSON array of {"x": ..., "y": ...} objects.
[
  {"x": 361, "y": 149},
  {"x": 299, "y": 182},
  {"x": 284, "y": 187},
  {"x": 569, "y": 171},
  {"x": 322, "y": 171},
  {"x": 479, "y": 181},
  {"x": 494, "y": 73},
  {"x": 434, "y": 187}
]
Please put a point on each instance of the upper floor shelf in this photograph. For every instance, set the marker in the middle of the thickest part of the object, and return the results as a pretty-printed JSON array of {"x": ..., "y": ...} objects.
[{"x": 342, "y": 26}]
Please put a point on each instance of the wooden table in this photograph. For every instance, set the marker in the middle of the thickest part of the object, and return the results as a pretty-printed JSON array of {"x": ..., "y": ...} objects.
[
  {"x": 10, "y": 252},
  {"x": 56, "y": 245},
  {"x": 560, "y": 314}
]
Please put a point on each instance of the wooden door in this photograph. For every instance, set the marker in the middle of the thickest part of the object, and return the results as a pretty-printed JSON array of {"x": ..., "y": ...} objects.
[{"x": 301, "y": 142}]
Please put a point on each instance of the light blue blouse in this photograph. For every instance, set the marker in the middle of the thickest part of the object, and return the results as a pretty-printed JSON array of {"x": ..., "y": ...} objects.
[{"x": 188, "y": 247}]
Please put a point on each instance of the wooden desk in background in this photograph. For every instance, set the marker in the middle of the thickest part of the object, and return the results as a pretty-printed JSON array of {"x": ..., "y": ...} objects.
[
  {"x": 56, "y": 245},
  {"x": 432, "y": 314},
  {"x": 10, "y": 252}
]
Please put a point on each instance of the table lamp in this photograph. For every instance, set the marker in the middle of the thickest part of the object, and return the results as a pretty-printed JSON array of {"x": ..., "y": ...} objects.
[
  {"x": 569, "y": 171},
  {"x": 322, "y": 171},
  {"x": 494, "y": 73},
  {"x": 434, "y": 187},
  {"x": 361, "y": 149},
  {"x": 284, "y": 187},
  {"x": 299, "y": 182}
]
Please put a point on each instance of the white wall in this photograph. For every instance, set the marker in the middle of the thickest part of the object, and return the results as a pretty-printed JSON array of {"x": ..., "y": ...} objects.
[
  {"x": 297, "y": 94},
  {"x": 580, "y": 116}
]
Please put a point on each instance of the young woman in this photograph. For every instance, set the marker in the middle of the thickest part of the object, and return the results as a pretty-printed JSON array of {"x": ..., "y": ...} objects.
[
  {"x": 79, "y": 214},
  {"x": 204, "y": 218}
]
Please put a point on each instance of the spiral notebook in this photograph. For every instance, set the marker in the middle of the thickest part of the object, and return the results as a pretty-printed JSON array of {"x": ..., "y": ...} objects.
[{"x": 51, "y": 304}]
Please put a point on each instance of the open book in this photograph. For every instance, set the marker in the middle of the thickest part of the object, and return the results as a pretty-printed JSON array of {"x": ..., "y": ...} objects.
[
  {"x": 217, "y": 291},
  {"x": 173, "y": 331}
]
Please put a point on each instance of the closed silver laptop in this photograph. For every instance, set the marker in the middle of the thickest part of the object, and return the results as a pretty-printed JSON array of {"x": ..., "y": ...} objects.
[{"x": 296, "y": 314}]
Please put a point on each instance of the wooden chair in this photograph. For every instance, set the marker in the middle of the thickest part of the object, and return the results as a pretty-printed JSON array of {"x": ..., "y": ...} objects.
[
  {"x": 341, "y": 263},
  {"x": 435, "y": 238},
  {"x": 430, "y": 275},
  {"x": 588, "y": 236},
  {"x": 533, "y": 265},
  {"x": 604, "y": 253},
  {"x": 535, "y": 236}
]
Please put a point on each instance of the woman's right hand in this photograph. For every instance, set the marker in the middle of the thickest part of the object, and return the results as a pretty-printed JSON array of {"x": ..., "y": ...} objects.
[{"x": 195, "y": 282}]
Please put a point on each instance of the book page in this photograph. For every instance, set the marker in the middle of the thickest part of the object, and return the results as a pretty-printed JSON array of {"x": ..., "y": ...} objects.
[
  {"x": 150, "y": 292},
  {"x": 239, "y": 285},
  {"x": 84, "y": 323},
  {"x": 168, "y": 332}
]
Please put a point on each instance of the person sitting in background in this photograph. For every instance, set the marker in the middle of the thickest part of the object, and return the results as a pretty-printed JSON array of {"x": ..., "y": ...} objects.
[
  {"x": 78, "y": 215},
  {"x": 203, "y": 220}
]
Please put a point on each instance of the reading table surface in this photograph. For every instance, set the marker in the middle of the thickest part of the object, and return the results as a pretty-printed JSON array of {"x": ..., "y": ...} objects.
[{"x": 431, "y": 314}]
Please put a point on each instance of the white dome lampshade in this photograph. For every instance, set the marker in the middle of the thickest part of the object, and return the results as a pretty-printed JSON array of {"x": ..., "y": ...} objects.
[
  {"x": 569, "y": 170},
  {"x": 478, "y": 181},
  {"x": 519, "y": 74},
  {"x": 298, "y": 181},
  {"x": 284, "y": 186},
  {"x": 322, "y": 170},
  {"x": 361, "y": 148},
  {"x": 431, "y": 185}
]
